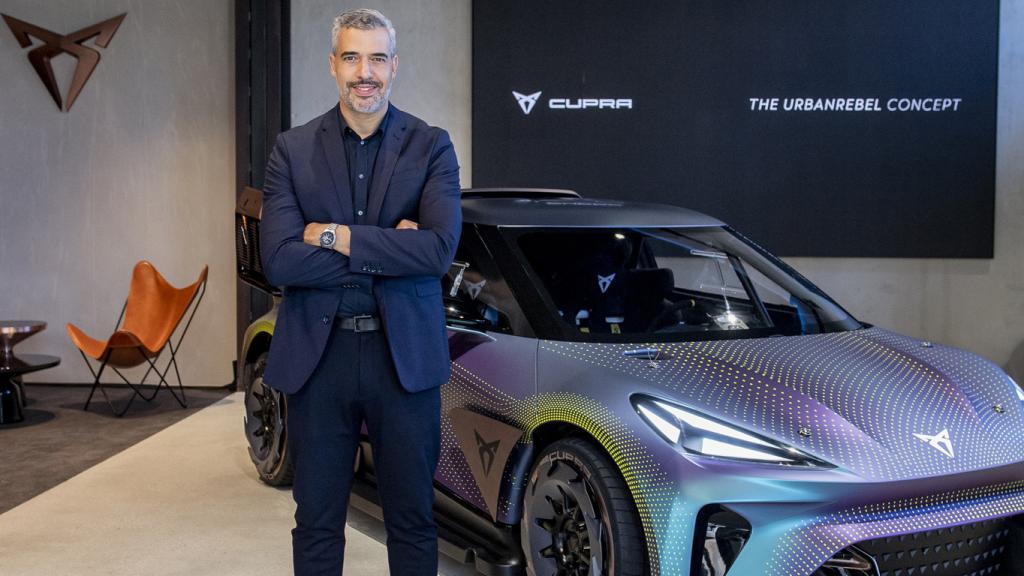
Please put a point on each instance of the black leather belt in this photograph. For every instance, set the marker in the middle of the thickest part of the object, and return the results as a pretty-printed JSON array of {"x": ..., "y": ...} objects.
[{"x": 359, "y": 323}]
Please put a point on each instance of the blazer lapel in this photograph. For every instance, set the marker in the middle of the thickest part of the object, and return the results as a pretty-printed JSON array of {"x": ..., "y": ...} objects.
[
  {"x": 387, "y": 157},
  {"x": 334, "y": 155}
]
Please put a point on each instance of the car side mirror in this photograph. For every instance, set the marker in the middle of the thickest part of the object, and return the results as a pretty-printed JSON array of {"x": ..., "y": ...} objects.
[{"x": 460, "y": 313}]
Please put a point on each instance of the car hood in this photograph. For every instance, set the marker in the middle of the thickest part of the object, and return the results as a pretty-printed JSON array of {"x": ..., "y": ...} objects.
[{"x": 871, "y": 401}]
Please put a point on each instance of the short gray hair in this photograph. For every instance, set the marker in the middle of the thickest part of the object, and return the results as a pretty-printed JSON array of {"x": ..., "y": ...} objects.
[{"x": 362, "y": 19}]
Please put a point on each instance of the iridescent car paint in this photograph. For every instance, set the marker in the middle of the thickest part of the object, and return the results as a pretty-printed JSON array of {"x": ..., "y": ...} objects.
[{"x": 758, "y": 427}]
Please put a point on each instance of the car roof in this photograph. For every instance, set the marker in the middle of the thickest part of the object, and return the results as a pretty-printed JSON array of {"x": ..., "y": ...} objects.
[{"x": 574, "y": 212}]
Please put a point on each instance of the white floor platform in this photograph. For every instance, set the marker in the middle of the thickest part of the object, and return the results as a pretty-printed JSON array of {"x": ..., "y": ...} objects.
[{"x": 185, "y": 501}]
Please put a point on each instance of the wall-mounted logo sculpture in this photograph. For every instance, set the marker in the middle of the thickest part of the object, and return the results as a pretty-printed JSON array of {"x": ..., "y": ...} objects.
[{"x": 54, "y": 44}]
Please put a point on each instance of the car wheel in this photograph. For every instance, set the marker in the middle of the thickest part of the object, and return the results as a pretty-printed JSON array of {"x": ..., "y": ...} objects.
[
  {"x": 266, "y": 426},
  {"x": 578, "y": 516}
]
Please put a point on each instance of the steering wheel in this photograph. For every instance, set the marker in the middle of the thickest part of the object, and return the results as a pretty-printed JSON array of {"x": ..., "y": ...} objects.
[{"x": 671, "y": 310}]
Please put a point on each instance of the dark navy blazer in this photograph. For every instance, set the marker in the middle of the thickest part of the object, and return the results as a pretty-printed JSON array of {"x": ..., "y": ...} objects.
[{"x": 416, "y": 177}]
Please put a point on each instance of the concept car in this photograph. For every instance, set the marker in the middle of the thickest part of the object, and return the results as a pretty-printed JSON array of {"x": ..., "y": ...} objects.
[{"x": 639, "y": 389}]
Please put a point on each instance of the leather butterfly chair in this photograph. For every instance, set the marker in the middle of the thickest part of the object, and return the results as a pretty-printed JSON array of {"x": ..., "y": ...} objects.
[{"x": 150, "y": 315}]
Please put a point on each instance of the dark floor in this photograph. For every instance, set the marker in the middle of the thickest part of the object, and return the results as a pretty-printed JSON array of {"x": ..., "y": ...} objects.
[{"x": 57, "y": 439}]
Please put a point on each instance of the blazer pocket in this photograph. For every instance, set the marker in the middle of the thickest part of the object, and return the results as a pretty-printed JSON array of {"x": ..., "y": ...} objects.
[{"x": 428, "y": 287}]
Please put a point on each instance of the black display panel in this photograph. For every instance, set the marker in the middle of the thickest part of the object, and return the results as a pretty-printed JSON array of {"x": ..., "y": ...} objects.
[{"x": 817, "y": 128}]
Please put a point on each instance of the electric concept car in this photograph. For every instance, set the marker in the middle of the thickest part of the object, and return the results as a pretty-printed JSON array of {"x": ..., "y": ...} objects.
[{"x": 639, "y": 389}]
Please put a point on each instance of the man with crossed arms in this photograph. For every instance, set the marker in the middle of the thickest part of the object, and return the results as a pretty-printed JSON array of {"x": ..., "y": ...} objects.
[{"x": 361, "y": 218}]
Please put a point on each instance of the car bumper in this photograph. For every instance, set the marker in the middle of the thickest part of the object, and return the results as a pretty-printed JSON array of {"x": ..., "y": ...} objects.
[{"x": 799, "y": 520}]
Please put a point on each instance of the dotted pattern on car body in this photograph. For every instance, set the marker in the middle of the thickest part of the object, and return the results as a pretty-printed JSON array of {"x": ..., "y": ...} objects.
[
  {"x": 652, "y": 490},
  {"x": 865, "y": 394}
]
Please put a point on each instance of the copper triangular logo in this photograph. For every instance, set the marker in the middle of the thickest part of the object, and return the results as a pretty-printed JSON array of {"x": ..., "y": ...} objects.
[
  {"x": 486, "y": 443},
  {"x": 487, "y": 450},
  {"x": 54, "y": 44}
]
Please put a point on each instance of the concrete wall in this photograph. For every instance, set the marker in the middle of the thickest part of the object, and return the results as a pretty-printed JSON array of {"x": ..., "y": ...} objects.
[
  {"x": 974, "y": 304},
  {"x": 434, "y": 58},
  {"x": 142, "y": 167}
]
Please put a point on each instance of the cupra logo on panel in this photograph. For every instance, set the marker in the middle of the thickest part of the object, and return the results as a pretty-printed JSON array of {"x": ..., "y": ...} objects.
[
  {"x": 528, "y": 101},
  {"x": 54, "y": 44}
]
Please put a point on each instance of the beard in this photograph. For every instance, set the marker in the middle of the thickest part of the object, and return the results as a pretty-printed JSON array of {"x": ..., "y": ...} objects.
[{"x": 365, "y": 105}]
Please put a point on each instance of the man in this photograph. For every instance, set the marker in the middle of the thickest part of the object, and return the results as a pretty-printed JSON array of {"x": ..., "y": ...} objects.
[{"x": 361, "y": 218}]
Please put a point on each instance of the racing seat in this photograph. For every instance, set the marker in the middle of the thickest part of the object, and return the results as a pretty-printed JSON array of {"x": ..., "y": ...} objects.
[{"x": 151, "y": 315}]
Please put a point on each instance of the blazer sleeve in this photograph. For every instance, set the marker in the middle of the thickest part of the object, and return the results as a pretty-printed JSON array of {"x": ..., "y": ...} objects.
[
  {"x": 425, "y": 252},
  {"x": 287, "y": 260}
]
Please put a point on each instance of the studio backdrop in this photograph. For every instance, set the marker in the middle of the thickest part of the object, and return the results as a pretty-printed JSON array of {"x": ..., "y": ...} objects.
[{"x": 818, "y": 128}]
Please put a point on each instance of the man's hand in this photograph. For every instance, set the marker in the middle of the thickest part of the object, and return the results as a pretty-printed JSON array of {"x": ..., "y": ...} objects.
[
  {"x": 407, "y": 225},
  {"x": 311, "y": 235}
]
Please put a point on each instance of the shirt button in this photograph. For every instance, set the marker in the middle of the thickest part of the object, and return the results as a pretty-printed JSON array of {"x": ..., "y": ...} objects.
[
  {"x": 362, "y": 142},
  {"x": 360, "y": 212},
  {"x": 360, "y": 176},
  {"x": 326, "y": 319}
]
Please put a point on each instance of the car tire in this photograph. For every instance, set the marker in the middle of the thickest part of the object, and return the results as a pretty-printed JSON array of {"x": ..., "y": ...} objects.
[
  {"x": 578, "y": 515},
  {"x": 266, "y": 426}
]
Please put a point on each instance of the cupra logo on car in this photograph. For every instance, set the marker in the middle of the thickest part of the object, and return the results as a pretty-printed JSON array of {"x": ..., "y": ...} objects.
[
  {"x": 54, "y": 45},
  {"x": 604, "y": 282},
  {"x": 940, "y": 442},
  {"x": 487, "y": 451},
  {"x": 475, "y": 288}
]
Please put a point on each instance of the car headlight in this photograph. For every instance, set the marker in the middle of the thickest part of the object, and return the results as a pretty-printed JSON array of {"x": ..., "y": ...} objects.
[
  {"x": 699, "y": 434},
  {"x": 1018, "y": 389}
]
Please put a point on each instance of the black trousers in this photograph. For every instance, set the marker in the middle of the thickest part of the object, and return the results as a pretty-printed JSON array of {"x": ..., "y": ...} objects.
[{"x": 356, "y": 382}]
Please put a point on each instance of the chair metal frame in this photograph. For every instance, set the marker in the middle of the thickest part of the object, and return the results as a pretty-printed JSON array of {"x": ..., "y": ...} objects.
[{"x": 138, "y": 389}]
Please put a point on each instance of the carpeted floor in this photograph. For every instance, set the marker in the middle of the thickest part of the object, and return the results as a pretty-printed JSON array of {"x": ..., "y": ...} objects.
[{"x": 58, "y": 439}]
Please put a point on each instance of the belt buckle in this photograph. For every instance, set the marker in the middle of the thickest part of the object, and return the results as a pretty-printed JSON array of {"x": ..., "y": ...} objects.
[{"x": 355, "y": 322}]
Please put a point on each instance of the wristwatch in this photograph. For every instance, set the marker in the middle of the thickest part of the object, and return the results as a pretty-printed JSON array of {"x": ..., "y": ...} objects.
[{"x": 327, "y": 237}]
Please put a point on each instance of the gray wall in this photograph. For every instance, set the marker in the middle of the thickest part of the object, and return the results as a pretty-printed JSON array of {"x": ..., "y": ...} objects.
[
  {"x": 974, "y": 304},
  {"x": 142, "y": 167},
  {"x": 434, "y": 56}
]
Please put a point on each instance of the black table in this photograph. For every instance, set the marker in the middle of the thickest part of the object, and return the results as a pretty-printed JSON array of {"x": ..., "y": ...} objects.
[
  {"x": 12, "y": 332},
  {"x": 10, "y": 394},
  {"x": 13, "y": 367}
]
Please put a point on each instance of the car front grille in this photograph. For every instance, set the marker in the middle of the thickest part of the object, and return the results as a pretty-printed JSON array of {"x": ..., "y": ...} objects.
[{"x": 980, "y": 549}]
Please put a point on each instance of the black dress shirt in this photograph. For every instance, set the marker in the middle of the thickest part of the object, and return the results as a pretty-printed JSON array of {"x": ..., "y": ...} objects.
[{"x": 361, "y": 157}]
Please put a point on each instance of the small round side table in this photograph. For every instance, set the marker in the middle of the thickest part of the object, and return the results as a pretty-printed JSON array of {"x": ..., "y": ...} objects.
[
  {"x": 14, "y": 331},
  {"x": 12, "y": 396}
]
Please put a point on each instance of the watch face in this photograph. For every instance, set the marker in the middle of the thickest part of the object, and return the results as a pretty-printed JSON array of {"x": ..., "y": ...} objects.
[{"x": 326, "y": 238}]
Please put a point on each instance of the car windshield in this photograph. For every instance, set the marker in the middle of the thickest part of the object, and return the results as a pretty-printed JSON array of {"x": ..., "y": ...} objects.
[{"x": 671, "y": 284}]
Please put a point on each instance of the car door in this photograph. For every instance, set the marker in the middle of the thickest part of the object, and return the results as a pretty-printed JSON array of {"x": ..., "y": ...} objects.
[{"x": 493, "y": 359}]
